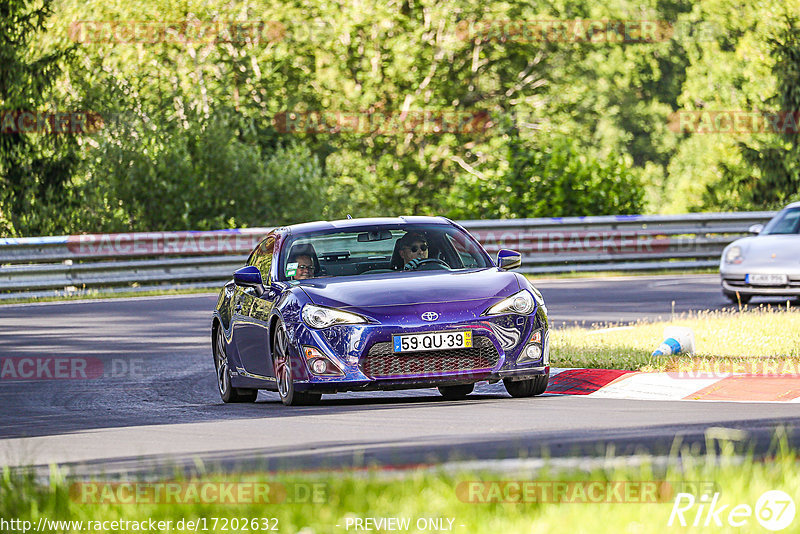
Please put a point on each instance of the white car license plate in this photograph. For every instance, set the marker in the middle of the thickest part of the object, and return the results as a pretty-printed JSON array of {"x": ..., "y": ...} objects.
[
  {"x": 767, "y": 279},
  {"x": 432, "y": 341}
]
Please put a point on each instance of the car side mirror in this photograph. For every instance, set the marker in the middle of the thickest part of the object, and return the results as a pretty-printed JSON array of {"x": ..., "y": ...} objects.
[
  {"x": 508, "y": 259},
  {"x": 249, "y": 276},
  {"x": 755, "y": 229}
]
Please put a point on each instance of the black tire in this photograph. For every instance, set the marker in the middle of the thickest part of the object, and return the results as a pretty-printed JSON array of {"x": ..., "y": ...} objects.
[
  {"x": 526, "y": 388},
  {"x": 226, "y": 390},
  {"x": 284, "y": 377},
  {"x": 456, "y": 392},
  {"x": 736, "y": 299}
]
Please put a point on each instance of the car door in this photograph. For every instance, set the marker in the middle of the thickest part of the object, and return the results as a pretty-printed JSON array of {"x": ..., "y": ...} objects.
[{"x": 251, "y": 316}]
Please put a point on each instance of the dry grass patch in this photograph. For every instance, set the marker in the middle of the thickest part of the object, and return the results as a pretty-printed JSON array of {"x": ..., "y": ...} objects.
[{"x": 749, "y": 339}]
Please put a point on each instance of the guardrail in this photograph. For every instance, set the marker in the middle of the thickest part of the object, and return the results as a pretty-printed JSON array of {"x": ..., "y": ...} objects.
[
  {"x": 617, "y": 242},
  {"x": 45, "y": 266}
]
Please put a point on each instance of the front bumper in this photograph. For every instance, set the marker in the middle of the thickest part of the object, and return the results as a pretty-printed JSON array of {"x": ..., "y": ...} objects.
[
  {"x": 500, "y": 340},
  {"x": 736, "y": 284}
]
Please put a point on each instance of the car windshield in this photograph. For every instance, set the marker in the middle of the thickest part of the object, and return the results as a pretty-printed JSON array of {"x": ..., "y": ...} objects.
[
  {"x": 786, "y": 222},
  {"x": 380, "y": 249}
]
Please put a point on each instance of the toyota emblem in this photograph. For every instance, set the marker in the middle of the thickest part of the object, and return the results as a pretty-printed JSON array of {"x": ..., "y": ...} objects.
[{"x": 429, "y": 316}]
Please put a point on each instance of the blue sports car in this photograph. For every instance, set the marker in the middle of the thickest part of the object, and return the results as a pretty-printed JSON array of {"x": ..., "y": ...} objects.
[{"x": 365, "y": 304}]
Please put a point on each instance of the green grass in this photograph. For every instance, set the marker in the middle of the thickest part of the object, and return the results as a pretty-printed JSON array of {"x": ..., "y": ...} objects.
[
  {"x": 755, "y": 337},
  {"x": 440, "y": 494}
]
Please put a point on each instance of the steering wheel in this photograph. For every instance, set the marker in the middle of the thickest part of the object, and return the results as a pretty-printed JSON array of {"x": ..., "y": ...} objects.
[{"x": 415, "y": 264}]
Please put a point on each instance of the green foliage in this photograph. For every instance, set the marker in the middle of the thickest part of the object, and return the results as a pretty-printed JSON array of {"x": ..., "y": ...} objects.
[
  {"x": 191, "y": 140},
  {"x": 557, "y": 180},
  {"x": 751, "y": 64},
  {"x": 778, "y": 157},
  {"x": 35, "y": 169},
  {"x": 202, "y": 174}
]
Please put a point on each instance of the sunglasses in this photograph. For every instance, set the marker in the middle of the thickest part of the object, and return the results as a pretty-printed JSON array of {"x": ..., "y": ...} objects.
[
  {"x": 306, "y": 267},
  {"x": 415, "y": 248}
]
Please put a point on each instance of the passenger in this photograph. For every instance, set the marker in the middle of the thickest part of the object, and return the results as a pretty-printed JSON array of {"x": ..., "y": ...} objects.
[
  {"x": 412, "y": 246},
  {"x": 305, "y": 267}
]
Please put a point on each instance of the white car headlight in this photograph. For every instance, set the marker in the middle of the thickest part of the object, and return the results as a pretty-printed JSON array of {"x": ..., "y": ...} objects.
[
  {"x": 734, "y": 255},
  {"x": 522, "y": 303},
  {"x": 321, "y": 317}
]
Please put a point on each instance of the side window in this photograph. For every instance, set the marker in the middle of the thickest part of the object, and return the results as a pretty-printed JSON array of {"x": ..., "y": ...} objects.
[{"x": 262, "y": 257}]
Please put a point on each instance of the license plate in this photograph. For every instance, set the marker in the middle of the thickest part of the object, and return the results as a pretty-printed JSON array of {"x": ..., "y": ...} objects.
[
  {"x": 767, "y": 279},
  {"x": 432, "y": 341}
]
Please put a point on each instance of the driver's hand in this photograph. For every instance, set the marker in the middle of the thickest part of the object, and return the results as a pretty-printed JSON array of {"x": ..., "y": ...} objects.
[{"x": 413, "y": 264}]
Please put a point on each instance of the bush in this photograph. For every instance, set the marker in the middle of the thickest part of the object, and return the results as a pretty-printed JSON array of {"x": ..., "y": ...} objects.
[
  {"x": 204, "y": 176},
  {"x": 556, "y": 179}
]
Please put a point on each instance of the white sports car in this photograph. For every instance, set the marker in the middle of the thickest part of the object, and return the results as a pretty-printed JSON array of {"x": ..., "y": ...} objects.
[{"x": 766, "y": 264}]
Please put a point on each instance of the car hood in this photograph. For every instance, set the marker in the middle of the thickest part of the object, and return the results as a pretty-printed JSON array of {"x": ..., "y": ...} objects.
[
  {"x": 768, "y": 249},
  {"x": 398, "y": 289}
]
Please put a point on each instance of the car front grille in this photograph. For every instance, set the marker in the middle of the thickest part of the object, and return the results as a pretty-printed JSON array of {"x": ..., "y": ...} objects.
[{"x": 383, "y": 362}]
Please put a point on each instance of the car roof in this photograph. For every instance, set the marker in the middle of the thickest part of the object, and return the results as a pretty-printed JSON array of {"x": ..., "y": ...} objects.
[
  {"x": 344, "y": 224},
  {"x": 793, "y": 205}
]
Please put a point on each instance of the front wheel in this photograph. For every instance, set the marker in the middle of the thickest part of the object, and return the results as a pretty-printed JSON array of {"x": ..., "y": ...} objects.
[
  {"x": 526, "y": 388},
  {"x": 284, "y": 375},
  {"x": 456, "y": 392},
  {"x": 226, "y": 390}
]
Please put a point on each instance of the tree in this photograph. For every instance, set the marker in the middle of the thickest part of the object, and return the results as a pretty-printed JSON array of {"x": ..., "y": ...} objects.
[
  {"x": 553, "y": 179},
  {"x": 35, "y": 167},
  {"x": 777, "y": 158}
]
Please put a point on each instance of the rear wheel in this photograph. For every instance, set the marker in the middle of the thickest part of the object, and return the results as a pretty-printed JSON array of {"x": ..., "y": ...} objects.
[
  {"x": 526, "y": 388},
  {"x": 283, "y": 372},
  {"x": 226, "y": 390},
  {"x": 456, "y": 392}
]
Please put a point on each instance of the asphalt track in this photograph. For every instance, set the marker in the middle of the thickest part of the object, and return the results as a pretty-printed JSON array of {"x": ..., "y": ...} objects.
[{"x": 156, "y": 404}]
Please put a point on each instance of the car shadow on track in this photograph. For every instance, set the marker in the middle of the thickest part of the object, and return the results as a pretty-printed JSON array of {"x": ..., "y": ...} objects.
[{"x": 482, "y": 391}]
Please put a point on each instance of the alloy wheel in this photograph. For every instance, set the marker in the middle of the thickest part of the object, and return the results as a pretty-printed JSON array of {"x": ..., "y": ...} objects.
[
  {"x": 283, "y": 371},
  {"x": 221, "y": 361}
]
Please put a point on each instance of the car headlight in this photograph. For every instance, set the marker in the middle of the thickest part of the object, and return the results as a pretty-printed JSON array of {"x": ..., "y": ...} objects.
[
  {"x": 321, "y": 317},
  {"x": 734, "y": 255},
  {"x": 522, "y": 303}
]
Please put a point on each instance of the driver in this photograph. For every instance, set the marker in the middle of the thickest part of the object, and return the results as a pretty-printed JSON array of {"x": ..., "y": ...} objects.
[{"x": 412, "y": 246}]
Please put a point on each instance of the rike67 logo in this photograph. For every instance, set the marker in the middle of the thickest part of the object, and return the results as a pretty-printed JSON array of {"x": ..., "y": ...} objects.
[{"x": 774, "y": 510}]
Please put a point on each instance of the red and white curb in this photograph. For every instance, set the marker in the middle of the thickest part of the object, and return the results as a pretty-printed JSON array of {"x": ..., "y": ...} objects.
[{"x": 616, "y": 384}]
